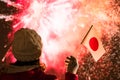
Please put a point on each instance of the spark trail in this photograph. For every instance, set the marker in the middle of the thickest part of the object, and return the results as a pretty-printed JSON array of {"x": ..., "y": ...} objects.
[{"x": 62, "y": 25}]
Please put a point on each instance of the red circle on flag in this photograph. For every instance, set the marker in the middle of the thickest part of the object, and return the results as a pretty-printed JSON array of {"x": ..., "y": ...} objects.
[{"x": 93, "y": 43}]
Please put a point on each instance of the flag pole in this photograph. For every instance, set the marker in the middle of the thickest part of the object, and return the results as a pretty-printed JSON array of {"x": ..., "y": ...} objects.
[{"x": 86, "y": 34}]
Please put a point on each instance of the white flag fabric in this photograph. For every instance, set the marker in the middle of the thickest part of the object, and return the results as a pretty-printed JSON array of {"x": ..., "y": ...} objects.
[{"x": 94, "y": 44}]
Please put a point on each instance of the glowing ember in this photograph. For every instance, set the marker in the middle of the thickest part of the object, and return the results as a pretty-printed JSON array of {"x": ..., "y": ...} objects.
[{"x": 62, "y": 25}]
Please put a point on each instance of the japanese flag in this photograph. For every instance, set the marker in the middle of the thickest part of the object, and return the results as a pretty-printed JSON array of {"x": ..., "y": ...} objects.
[{"x": 94, "y": 44}]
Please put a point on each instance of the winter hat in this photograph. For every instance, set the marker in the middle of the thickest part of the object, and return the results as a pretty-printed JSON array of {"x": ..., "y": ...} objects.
[{"x": 26, "y": 45}]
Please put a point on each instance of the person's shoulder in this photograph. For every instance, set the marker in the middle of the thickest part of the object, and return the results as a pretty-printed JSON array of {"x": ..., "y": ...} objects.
[
  {"x": 50, "y": 77},
  {"x": 45, "y": 75}
]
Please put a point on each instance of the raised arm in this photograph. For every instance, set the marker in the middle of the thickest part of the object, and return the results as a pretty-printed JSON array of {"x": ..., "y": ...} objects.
[{"x": 72, "y": 67}]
